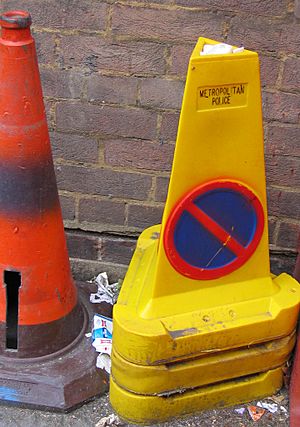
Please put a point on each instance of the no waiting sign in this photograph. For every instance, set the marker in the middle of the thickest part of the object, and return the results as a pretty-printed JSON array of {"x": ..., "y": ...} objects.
[{"x": 213, "y": 230}]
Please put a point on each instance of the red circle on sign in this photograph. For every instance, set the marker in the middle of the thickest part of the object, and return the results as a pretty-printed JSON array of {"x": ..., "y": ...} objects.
[{"x": 242, "y": 253}]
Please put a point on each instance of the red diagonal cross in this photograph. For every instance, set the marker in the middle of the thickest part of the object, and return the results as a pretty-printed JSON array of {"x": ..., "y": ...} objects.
[{"x": 214, "y": 228}]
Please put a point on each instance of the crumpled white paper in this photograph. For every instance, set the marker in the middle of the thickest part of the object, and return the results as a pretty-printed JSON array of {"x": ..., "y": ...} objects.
[
  {"x": 271, "y": 407},
  {"x": 284, "y": 410},
  {"x": 219, "y": 49},
  {"x": 106, "y": 292},
  {"x": 240, "y": 411},
  {"x": 101, "y": 335},
  {"x": 104, "y": 362},
  {"x": 111, "y": 420}
]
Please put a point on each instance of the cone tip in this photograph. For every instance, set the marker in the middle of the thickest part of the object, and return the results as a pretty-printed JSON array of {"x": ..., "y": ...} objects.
[{"x": 15, "y": 19}]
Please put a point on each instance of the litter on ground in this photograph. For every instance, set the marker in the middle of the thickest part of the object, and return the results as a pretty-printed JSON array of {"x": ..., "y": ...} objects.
[
  {"x": 105, "y": 292},
  {"x": 255, "y": 412}
]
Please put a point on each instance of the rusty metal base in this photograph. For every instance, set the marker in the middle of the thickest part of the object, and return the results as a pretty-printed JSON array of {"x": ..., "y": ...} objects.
[{"x": 60, "y": 381}]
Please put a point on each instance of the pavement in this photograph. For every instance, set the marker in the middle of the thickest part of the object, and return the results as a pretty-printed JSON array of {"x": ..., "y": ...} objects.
[{"x": 91, "y": 413}]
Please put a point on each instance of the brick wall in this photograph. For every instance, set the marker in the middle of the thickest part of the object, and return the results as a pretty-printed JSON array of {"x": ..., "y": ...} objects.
[{"x": 113, "y": 76}]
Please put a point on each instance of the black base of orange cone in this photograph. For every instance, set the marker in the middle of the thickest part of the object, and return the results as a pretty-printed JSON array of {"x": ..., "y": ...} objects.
[
  {"x": 45, "y": 338},
  {"x": 60, "y": 381}
]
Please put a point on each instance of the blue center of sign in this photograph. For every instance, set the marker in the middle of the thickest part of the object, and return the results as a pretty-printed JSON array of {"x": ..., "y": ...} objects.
[{"x": 232, "y": 211}]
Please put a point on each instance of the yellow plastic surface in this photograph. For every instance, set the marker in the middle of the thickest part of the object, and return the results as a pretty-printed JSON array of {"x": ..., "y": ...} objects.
[
  {"x": 203, "y": 371},
  {"x": 151, "y": 331},
  {"x": 151, "y": 409},
  {"x": 218, "y": 142},
  {"x": 162, "y": 316}
]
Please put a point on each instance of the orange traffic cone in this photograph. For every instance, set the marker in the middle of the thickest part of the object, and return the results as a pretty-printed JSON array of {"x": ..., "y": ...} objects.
[{"x": 41, "y": 317}]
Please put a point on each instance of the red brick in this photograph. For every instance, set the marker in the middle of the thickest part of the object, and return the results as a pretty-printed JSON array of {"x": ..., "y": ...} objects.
[
  {"x": 162, "y": 184},
  {"x": 104, "y": 182},
  {"x": 128, "y": 122},
  {"x": 74, "y": 147},
  {"x": 102, "y": 211},
  {"x": 255, "y": 7},
  {"x": 61, "y": 84},
  {"x": 144, "y": 216},
  {"x": 96, "y": 54},
  {"x": 291, "y": 74},
  {"x": 282, "y": 262},
  {"x": 283, "y": 141},
  {"x": 49, "y": 106},
  {"x": 297, "y": 9},
  {"x": 180, "y": 24},
  {"x": 283, "y": 170},
  {"x": 272, "y": 225},
  {"x": 45, "y": 47},
  {"x": 288, "y": 235},
  {"x": 75, "y": 14},
  {"x": 87, "y": 269},
  {"x": 117, "y": 250},
  {"x": 269, "y": 70},
  {"x": 180, "y": 56},
  {"x": 67, "y": 204},
  {"x": 114, "y": 90},
  {"x": 82, "y": 245},
  {"x": 255, "y": 33},
  {"x": 283, "y": 203},
  {"x": 289, "y": 38},
  {"x": 139, "y": 154},
  {"x": 157, "y": 1},
  {"x": 281, "y": 106},
  {"x": 169, "y": 126},
  {"x": 161, "y": 93}
]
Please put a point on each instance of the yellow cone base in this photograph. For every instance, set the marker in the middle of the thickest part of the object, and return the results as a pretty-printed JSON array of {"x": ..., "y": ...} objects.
[
  {"x": 152, "y": 409},
  {"x": 206, "y": 370},
  {"x": 151, "y": 330}
]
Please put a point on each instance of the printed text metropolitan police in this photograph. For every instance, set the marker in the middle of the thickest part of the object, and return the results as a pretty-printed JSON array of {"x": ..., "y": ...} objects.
[{"x": 222, "y": 95}]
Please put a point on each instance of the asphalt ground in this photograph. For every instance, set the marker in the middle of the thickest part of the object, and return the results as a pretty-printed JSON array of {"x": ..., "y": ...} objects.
[{"x": 91, "y": 413}]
